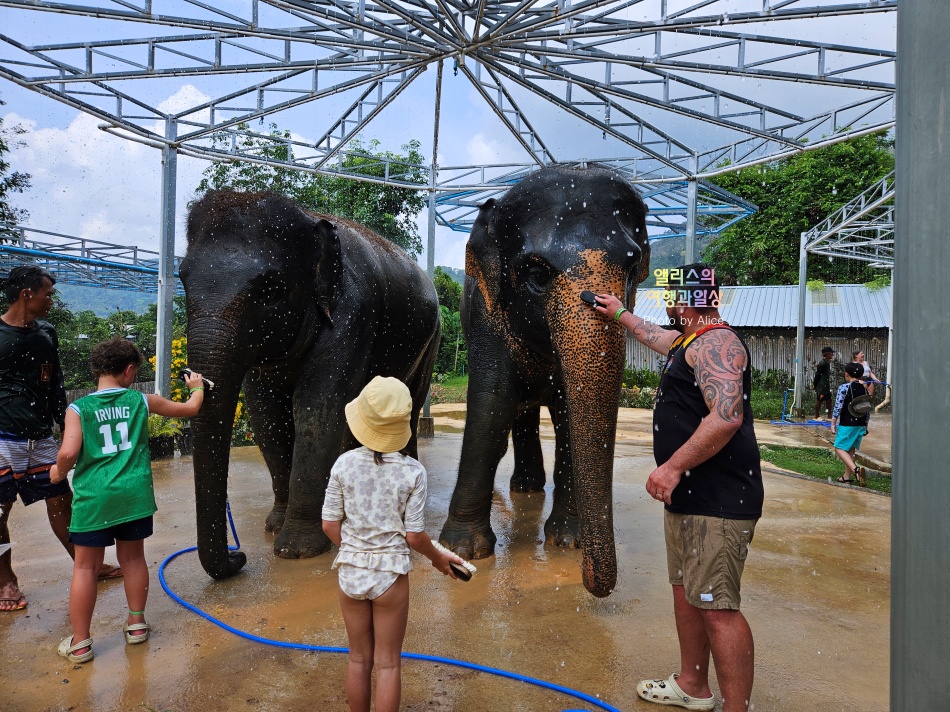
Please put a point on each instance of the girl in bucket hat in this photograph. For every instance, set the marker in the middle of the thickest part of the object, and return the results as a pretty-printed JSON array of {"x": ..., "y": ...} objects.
[{"x": 373, "y": 511}]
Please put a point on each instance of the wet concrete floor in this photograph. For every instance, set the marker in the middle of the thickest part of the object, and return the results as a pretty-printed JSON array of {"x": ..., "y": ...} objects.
[{"x": 815, "y": 591}]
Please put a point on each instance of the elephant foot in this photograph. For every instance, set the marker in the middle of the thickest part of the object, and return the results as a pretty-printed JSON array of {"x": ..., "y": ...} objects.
[
  {"x": 563, "y": 530},
  {"x": 301, "y": 541},
  {"x": 224, "y": 567},
  {"x": 468, "y": 541},
  {"x": 275, "y": 520},
  {"x": 527, "y": 482}
]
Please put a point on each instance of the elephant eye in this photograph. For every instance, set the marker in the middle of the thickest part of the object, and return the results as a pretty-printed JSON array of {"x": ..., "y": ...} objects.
[
  {"x": 272, "y": 291},
  {"x": 537, "y": 274}
]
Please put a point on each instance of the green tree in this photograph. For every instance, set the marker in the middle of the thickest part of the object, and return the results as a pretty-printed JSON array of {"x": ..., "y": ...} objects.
[
  {"x": 388, "y": 210},
  {"x": 795, "y": 194},
  {"x": 449, "y": 291},
  {"x": 10, "y": 182},
  {"x": 452, "y": 356}
]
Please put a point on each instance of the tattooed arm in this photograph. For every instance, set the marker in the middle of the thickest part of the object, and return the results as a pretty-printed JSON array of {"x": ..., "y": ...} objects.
[
  {"x": 718, "y": 360},
  {"x": 646, "y": 332}
]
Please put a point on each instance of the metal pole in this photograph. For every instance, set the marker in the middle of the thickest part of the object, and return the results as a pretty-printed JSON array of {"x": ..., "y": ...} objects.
[
  {"x": 692, "y": 199},
  {"x": 166, "y": 264},
  {"x": 800, "y": 332},
  {"x": 433, "y": 172},
  {"x": 920, "y": 527}
]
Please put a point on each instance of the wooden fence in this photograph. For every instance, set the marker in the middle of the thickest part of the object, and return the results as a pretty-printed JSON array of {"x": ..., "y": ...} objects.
[{"x": 76, "y": 394}]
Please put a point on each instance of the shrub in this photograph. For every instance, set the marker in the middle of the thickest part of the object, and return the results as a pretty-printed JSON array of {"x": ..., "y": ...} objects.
[
  {"x": 637, "y": 397},
  {"x": 640, "y": 378},
  {"x": 160, "y": 426}
]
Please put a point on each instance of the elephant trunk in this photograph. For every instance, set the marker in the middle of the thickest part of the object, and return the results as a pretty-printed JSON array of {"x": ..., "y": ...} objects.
[
  {"x": 213, "y": 351},
  {"x": 591, "y": 353}
]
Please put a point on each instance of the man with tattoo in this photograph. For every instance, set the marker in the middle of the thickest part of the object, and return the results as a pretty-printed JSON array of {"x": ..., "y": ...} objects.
[{"x": 709, "y": 478}]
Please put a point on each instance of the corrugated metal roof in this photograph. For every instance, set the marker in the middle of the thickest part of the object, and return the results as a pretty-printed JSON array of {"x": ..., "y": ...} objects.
[{"x": 841, "y": 306}]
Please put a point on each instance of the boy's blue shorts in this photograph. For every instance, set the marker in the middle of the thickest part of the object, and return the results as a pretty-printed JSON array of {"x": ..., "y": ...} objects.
[
  {"x": 135, "y": 530},
  {"x": 850, "y": 436}
]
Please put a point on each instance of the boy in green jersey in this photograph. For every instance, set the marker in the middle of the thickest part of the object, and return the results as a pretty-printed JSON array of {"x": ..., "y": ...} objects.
[{"x": 106, "y": 439}]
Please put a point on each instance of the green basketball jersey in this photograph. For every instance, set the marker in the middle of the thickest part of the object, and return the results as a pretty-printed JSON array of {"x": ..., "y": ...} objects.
[{"x": 112, "y": 483}]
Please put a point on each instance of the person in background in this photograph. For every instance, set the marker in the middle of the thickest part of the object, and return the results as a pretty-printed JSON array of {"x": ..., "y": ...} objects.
[
  {"x": 822, "y": 381},
  {"x": 849, "y": 430},
  {"x": 32, "y": 399},
  {"x": 106, "y": 439},
  {"x": 867, "y": 375},
  {"x": 374, "y": 512}
]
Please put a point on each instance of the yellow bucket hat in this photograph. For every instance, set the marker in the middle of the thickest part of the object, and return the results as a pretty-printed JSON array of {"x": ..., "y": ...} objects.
[{"x": 379, "y": 417}]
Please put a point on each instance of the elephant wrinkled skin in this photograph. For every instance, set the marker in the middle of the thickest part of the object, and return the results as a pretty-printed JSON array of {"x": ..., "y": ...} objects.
[
  {"x": 302, "y": 310},
  {"x": 533, "y": 342}
]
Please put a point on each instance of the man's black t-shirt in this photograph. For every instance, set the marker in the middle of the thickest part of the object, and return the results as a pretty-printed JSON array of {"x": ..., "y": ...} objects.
[
  {"x": 728, "y": 484},
  {"x": 822, "y": 381},
  {"x": 32, "y": 396}
]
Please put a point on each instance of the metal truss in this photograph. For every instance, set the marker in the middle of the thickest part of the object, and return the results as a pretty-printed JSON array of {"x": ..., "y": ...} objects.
[
  {"x": 671, "y": 89},
  {"x": 863, "y": 229},
  {"x": 667, "y": 203},
  {"x": 88, "y": 263}
]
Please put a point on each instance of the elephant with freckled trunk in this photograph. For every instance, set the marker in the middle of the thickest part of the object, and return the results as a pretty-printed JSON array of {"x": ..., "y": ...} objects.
[
  {"x": 301, "y": 310},
  {"x": 533, "y": 342}
]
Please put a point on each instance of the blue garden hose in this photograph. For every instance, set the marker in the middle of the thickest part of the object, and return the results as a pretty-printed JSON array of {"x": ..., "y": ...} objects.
[{"x": 326, "y": 649}]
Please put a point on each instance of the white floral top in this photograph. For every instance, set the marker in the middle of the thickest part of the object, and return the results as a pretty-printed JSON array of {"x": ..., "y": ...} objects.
[{"x": 378, "y": 505}]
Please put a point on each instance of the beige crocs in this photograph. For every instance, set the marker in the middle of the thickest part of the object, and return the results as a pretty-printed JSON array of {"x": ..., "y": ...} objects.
[
  {"x": 667, "y": 692},
  {"x": 68, "y": 650},
  {"x": 129, "y": 628}
]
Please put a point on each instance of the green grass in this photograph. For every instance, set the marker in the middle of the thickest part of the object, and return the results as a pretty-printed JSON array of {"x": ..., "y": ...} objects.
[
  {"x": 453, "y": 389},
  {"x": 816, "y": 462}
]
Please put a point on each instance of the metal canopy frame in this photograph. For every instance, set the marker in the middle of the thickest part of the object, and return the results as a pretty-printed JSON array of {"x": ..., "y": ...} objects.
[
  {"x": 662, "y": 90},
  {"x": 83, "y": 262}
]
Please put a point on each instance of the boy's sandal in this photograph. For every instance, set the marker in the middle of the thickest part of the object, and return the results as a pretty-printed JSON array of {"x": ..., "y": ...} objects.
[
  {"x": 136, "y": 639},
  {"x": 845, "y": 480},
  {"x": 68, "y": 650},
  {"x": 667, "y": 692}
]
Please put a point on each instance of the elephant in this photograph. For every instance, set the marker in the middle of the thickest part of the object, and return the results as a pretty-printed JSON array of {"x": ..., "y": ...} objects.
[
  {"x": 302, "y": 310},
  {"x": 533, "y": 342}
]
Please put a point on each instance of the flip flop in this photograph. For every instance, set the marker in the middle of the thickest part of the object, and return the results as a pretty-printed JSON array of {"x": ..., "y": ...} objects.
[
  {"x": 114, "y": 573},
  {"x": 21, "y": 604},
  {"x": 667, "y": 692}
]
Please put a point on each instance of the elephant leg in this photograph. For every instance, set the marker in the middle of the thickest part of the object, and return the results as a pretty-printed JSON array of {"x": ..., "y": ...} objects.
[
  {"x": 563, "y": 526},
  {"x": 467, "y": 530},
  {"x": 528, "y": 475},
  {"x": 270, "y": 405},
  {"x": 320, "y": 431}
]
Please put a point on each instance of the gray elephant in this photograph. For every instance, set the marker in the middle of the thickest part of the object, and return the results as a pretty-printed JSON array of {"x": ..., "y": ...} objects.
[
  {"x": 302, "y": 310},
  {"x": 533, "y": 342}
]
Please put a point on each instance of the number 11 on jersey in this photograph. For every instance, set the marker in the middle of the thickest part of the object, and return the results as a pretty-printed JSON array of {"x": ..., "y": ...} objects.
[{"x": 109, "y": 447}]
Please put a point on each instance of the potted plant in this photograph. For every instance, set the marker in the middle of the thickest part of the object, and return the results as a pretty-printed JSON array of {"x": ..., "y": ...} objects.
[{"x": 161, "y": 436}]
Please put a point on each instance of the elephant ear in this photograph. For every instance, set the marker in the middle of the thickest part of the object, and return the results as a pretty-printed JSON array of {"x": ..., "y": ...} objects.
[
  {"x": 644, "y": 259},
  {"x": 482, "y": 256},
  {"x": 328, "y": 274}
]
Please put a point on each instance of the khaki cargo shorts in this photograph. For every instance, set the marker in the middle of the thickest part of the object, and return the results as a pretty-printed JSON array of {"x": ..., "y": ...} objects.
[{"x": 706, "y": 556}]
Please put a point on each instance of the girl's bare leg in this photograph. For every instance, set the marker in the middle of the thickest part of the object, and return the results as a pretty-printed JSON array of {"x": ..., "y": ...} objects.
[
  {"x": 358, "y": 618},
  {"x": 82, "y": 591},
  {"x": 390, "y": 613},
  {"x": 131, "y": 555}
]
